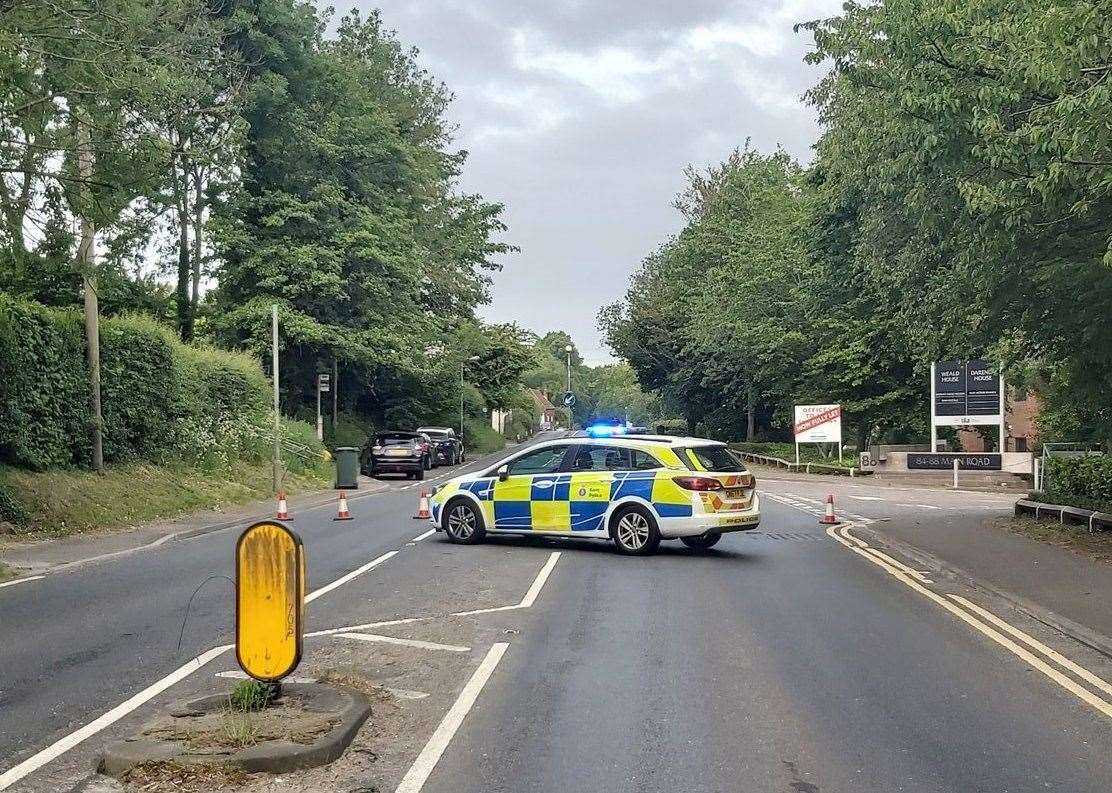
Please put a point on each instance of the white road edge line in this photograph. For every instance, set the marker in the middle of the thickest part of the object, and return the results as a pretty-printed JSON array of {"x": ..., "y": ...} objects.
[
  {"x": 67, "y": 742},
  {"x": 375, "y": 637},
  {"x": 426, "y": 535},
  {"x": 339, "y": 582},
  {"x": 426, "y": 761},
  {"x": 63, "y": 745},
  {"x": 21, "y": 580}
]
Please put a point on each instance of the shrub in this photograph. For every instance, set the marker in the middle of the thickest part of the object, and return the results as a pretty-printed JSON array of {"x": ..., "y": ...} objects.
[
  {"x": 480, "y": 438},
  {"x": 671, "y": 427},
  {"x": 44, "y": 399},
  {"x": 11, "y": 510},
  {"x": 1081, "y": 481},
  {"x": 160, "y": 398}
]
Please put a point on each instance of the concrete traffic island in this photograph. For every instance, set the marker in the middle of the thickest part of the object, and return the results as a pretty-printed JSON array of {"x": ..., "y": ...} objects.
[{"x": 308, "y": 725}]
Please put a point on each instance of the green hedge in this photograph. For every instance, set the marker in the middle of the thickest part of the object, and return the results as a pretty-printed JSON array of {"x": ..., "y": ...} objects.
[
  {"x": 158, "y": 395},
  {"x": 44, "y": 403},
  {"x": 1080, "y": 481},
  {"x": 671, "y": 427},
  {"x": 808, "y": 453}
]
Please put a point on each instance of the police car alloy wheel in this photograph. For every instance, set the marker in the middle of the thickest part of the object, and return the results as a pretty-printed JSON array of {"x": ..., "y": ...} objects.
[
  {"x": 702, "y": 541},
  {"x": 462, "y": 523},
  {"x": 634, "y": 532}
]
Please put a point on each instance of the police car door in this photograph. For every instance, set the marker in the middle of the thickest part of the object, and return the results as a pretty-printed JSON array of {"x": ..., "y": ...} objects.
[
  {"x": 529, "y": 484},
  {"x": 592, "y": 474}
]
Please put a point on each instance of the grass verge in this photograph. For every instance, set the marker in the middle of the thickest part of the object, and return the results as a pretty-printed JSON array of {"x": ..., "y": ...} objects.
[
  {"x": 6, "y": 572},
  {"x": 1095, "y": 545},
  {"x": 63, "y": 502}
]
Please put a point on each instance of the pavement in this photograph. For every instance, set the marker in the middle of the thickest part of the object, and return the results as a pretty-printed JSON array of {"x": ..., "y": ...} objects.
[{"x": 794, "y": 658}]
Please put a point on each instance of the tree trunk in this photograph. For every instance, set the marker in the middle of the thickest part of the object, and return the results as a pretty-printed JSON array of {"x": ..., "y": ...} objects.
[
  {"x": 185, "y": 325},
  {"x": 198, "y": 226},
  {"x": 750, "y": 418},
  {"x": 86, "y": 263}
]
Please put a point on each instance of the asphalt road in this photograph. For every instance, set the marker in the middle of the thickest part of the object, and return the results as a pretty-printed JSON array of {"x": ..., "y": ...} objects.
[
  {"x": 779, "y": 661},
  {"x": 73, "y": 645}
]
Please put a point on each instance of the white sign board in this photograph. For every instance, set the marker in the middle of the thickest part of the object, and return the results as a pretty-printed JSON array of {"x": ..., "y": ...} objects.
[{"x": 818, "y": 424}]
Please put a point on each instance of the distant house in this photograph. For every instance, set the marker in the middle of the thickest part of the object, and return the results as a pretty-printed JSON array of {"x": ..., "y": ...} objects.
[{"x": 544, "y": 409}]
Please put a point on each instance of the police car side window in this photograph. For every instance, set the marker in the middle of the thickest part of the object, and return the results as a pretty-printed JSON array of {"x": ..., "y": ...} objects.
[
  {"x": 643, "y": 461},
  {"x": 542, "y": 461}
]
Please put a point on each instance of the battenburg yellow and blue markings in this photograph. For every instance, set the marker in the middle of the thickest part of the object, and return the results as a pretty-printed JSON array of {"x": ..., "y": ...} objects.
[{"x": 570, "y": 501}]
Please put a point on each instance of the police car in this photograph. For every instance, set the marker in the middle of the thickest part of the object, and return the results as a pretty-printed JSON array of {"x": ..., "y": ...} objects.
[{"x": 635, "y": 491}]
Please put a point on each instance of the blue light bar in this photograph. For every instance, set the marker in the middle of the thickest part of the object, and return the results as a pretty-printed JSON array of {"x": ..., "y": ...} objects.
[{"x": 605, "y": 430}]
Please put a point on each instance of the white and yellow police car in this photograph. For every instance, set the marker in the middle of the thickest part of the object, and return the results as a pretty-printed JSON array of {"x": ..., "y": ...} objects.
[{"x": 633, "y": 490}]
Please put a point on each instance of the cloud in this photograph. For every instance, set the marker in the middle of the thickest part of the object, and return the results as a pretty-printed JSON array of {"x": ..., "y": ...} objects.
[{"x": 580, "y": 116}]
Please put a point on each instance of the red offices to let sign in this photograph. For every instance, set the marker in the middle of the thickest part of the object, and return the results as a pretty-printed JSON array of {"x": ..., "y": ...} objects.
[{"x": 810, "y": 422}]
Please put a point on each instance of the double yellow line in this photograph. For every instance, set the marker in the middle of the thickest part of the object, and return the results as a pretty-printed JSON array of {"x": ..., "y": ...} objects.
[{"x": 988, "y": 624}]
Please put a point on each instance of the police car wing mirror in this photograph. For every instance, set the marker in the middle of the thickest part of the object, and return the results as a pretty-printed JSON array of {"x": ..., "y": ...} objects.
[{"x": 503, "y": 473}]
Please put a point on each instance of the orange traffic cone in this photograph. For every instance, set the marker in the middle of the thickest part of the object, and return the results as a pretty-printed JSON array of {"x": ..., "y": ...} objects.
[
  {"x": 829, "y": 518},
  {"x": 283, "y": 510},
  {"x": 343, "y": 513},
  {"x": 423, "y": 507}
]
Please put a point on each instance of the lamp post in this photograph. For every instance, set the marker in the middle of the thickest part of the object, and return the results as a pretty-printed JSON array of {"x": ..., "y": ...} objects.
[
  {"x": 461, "y": 365},
  {"x": 567, "y": 349}
]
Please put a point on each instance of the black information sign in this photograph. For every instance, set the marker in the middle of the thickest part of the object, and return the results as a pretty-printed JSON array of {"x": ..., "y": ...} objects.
[
  {"x": 982, "y": 389},
  {"x": 949, "y": 389},
  {"x": 943, "y": 461}
]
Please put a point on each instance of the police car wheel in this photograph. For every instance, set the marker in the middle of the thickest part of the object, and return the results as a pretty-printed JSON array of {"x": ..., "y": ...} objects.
[
  {"x": 702, "y": 541},
  {"x": 462, "y": 523},
  {"x": 634, "y": 531}
]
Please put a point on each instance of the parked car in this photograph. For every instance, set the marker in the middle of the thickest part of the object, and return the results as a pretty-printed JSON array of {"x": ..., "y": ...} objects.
[
  {"x": 447, "y": 448},
  {"x": 409, "y": 453}
]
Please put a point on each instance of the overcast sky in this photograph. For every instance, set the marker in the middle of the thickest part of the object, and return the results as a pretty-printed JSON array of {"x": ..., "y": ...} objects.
[{"x": 580, "y": 116}]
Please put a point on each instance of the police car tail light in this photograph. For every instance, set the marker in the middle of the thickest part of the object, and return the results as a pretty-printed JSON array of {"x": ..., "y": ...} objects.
[{"x": 701, "y": 483}]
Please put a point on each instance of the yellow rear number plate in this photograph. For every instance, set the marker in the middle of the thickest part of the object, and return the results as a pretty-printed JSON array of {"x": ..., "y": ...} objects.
[{"x": 735, "y": 492}]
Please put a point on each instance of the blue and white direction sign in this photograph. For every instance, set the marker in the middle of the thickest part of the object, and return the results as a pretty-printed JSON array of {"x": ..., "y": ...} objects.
[{"x": 569, "y": 399}]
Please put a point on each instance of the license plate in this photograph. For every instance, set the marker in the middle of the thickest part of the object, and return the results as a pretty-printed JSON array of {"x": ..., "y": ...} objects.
[
  {"x": 736, "y": 492},
  {"x": 397, "y": 453}
]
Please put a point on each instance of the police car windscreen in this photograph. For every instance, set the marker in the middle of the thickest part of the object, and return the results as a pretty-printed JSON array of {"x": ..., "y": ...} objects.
[{"x": 717, "y": 458}]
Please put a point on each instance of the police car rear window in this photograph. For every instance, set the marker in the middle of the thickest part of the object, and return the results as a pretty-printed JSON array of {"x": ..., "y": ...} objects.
[{"x": 712, "y": 458}]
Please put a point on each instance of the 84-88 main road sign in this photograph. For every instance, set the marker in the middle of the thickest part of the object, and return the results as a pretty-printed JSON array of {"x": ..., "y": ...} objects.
[{"x": 270, "y": 600}]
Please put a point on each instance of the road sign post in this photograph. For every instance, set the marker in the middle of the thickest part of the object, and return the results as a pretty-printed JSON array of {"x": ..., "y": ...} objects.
[
  {"x": 270, "y": 600},
  {"x": 324, "y": 383}
]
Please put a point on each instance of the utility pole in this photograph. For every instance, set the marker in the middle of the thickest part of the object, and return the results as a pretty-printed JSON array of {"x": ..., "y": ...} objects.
[
  {"x": 567, "y": 349},
  {"x": 277, "y": 463},
  {"x": 86, "y": 262},
  {"x": 461, "y": 400},
  {"x": 335, "y": 395}
]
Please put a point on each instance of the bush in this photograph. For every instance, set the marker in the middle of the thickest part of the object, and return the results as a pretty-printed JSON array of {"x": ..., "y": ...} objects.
[
  {"x": 44, "y": 399},
  {"x": 671, "y": 427},
  {"x": 1080, "y": 481},
  {"x": 160, "y": 398},
  {"x": 481, "y": 438},
  {"x": 11, "y": 510},
  {"x": 808, "y": 453}
]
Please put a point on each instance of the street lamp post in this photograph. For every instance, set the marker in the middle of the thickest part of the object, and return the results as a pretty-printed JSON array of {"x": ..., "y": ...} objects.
[{"x": 567, "y": 349}]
